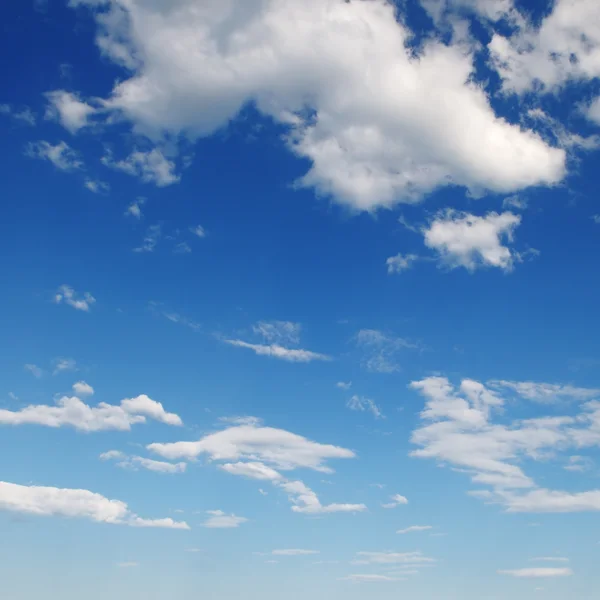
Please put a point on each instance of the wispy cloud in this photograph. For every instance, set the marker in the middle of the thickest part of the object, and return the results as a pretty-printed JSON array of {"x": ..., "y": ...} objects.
[
  {"x": 537, "y": 572},
  {"x": 34, "y": 370},
  {"x": 381, "y": 350},
  {"x": 415, "y": 528},
  {"x": 61, "y": 155},
  {"x": 276, "y": 351},
  {"x": 69, "y": 296},
  {"x": 153, "y": 234},
  {"x": 219, "y": 520},
  {"x": 358, "y": 403}
]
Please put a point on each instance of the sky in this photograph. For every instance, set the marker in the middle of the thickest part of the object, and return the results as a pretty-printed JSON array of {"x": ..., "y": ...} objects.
[{"x": 300, "y": 298}]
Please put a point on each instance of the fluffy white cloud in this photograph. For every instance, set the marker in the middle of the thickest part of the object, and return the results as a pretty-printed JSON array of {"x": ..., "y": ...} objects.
[
  {"x": 64, "y": 365},
  {"x": 81, "y": 388},
  {"x": 61, "y": 155},
  {"x": 219, "y": 520},
  {"x": 396, "y": 500},
  {"x": 134, "y": 462},
  {"x": 68, "y": 109},
  {"x": 277, "y": 351},
  {"x": 414, "y": 528},
  {"x": 294, "y": 552},
  {"x": 459, "y": 430},
  {"x": 536, "y": 572},
  {"x": 465, "y": 240},
  {"x": 381, "y": 350},
  {"x": 150, "y": 167},
  {"x": 304, "y": 500},
  {"x": 400, "y": 262},
  {"x": 51, "y": 501},
  {"x": 198, "y": 231},
  {"x": 378, "y": 124},
  {"x": 564, "y": 47},
  {"x": 73, "y": 412},
  {"x": 135, "y": 208},
  {"x": 364, "y": 404},
  {"x": 593, "y": 111},
  {"x": 68, "y": 295},
  {"x": 253, "y": 470}
]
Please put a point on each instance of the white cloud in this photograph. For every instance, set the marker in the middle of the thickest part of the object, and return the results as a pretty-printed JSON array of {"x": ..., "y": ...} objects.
[
  {"x": 96, "y": 186},
  {"x": 198, "y": 231},
  {"x": 593, "y": 111},
  {"x": 69, "y": 296},
  {"x": 64, "y": 502},
  {"x": 392, "y": 558},
  {"x": 396, "y": 500},
  {"x": 34, "y": 370},
  {"x": 378, "y": 125},
  {"x": 277, "y": 351},
  {"x": 135, "y": 208},
  {"x": 537, "y": 572},
  {"x": 278, "y": 332},
  {"x": 304, "y": 500},
  {"x": 219, "y": 520},
  {"x": 579, "y": 464},
  {"x": 153, "y": 234},
  {"x": 459, "y": 431},
  {"x": 73, "y": 412},
  {"x": 253, "y": 470},
  {"x": 596, "y": 219},
  {"x": 150, "y": 167},
  {"x": 362, "y": 404},
  {"x": 516, "y": 202},
  {"x": 414, "y": 528},
  {"x": 294, "y": 552},
  {"x": 182, "y": 248},
  {"x": 61, "y": 155},
  {"x": 81, "y": 388},
  {"x": 69, "y": 110},
  {"x": 370, "y": 578},
  {"x": 25, "y": 116},
  {"x": 381, "y": 350},
  {"x": 400, "y": 262},
  {"x": 134, "y": 462},
  {"x": 546, "y": 392},
  {"x": 344, "y": 385},
  {"x": 64, "y": 365},
  {"x": 465, "y": 240},
  {"x": 564, "y": 47}
]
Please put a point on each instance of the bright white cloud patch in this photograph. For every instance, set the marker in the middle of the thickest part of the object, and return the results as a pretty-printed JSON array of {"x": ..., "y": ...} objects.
[
  {"x": 280, "y": 352},
  {"x": 81, "y": 388},
  {"x": 253, "y": 470},
  {"x": 51, "y": 501},
  {"x": 61, "y": 155},
  {"x": 135, "y": 208},
  {"x": 69, "y": 296},
  {"x": 395, "y": 500},
  {"x": 458, "y": 429},
  {"x": 135, "y": 462},
  {"x": 73, "y": 412},
  {"x": 378, "y": 125},
  {"x": 150, "y": 167},
  {"x": 537, "y": 572},
  {"x": 304, "y": 500},
  {"x": 69, "y": 110},
  {"x": 219, "y": 520},
  {"x": 469, "y": 241}
]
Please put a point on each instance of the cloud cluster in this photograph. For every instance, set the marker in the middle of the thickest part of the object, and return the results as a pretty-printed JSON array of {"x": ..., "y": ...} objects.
[
  {"x": 126, "y": 461},
  {"x": 69, "y": 296}
]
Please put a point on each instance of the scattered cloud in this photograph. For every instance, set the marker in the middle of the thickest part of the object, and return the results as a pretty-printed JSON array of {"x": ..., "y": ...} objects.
[
  {"x": 546, "y": 392},
  {"x": 61, "y": 155},
  {"x": 364, "y": 404},
  {"x": 381, "y": 350},
  {"x": 278, "y": 332},
  {"x": 392, "y": 558},
  {"x": 400, "y": 263},
  {"x": 344, "y": 385},
  {"x": 219, "y": 520},
  {"x": 153, "y": 234},
  {"x": 414, "y": 528},
  {"x": 73, "y": 412},
  {"x": 537, "y": 572},
  {"x": 135, "y": 208},
  {"x": 304, "y": 500},
  {"x": 579, "y": 464},
  {"x": 69, "y": 110},
  {"x": 69, "y": 296},
  {"x": 135, "y": 462},
  {"x": 150, "y": 167},
  {"x": 465, "y": 240},
  {"x": 64, "y": 365},
  {"x": 64, "y": 502},
  {"x": 280, "y": 352},
  {"x": 25, "y": 115},
  {"x": 198, "y": 231},
  {"x": 182, "y": 248},
  {"x": 253, "y": 470},
  {"x": 396, "y": 500},
  {"x": 294, "y": 552},
  {"x": 81, "y": 388},
  {"x": 370, "y": 578},
  {"x": 516, "y": 202},
  {"x": 34, "y": 370},
  {"x": 96, "y": 186}
]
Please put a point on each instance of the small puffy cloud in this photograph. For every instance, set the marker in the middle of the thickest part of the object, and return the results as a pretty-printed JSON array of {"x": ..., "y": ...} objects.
[
  {"x": 280, "y": 352},
  {"x": 135, "y": 208},
  {"x": 414, "y": 528},
  {"x": 73, "y": 412},
  {"x": 134, "y": 462},
  {"x": 253, "y": 470},
  {"x": 465, "y": 240},
  {"x": 74, "y": 503},
  {"x": 34, "y": 370},
  {"x": 96, "y": 186},
  {"x": 395, "y": 500},
  {"x": 150, "y": 167},
  {"x": 69, "y": 296},
  {"x": 538, "y": 572},
  {"x": 219, "y": 520},
  {"x": 81, "y": 388},
  {"x": 400, "y": 262},
  {"x": 61, "y": 155},
  {"x": 198, "y": 231},
  {"x": 359, "y": 403},
  {"x": 294, "y": 552},
  {"x": 344, "y": 385},
  {"x": 304, "y": 500},
  {"x": 68, "y": 109},
  {"x": 64, "y": 365}
]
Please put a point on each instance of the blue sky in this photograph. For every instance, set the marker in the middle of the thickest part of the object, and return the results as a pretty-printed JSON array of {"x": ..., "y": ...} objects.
[{"x": 300, "y": 298}]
